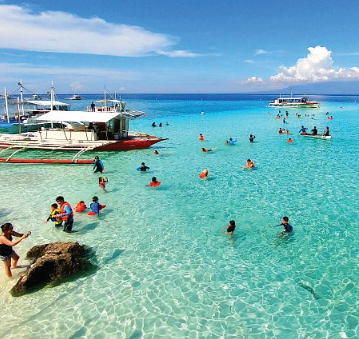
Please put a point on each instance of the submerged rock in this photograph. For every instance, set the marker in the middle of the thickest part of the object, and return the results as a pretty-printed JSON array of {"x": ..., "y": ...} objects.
[{"x": 52, "y": 263}]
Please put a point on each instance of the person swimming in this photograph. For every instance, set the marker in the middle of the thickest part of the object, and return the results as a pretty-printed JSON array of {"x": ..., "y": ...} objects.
[
  {"x": 249, "y": 164},
  {"x": 143, "y": 167},
  {"x": 231, "y": 142},
  {"x": 230, "y": 228},
  {"x": 204, "y": 174},
  {"x": 154, "y": 182},
  {"x": 95, "y": 206},
  {"x": 287, "y": 228},
  {"x": 102, "y": 183}
]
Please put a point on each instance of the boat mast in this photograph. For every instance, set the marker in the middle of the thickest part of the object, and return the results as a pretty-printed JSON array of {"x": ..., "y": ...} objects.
[
  {"x": 52, "y": 100},
  {"x": 21, "y": 98},
  {"x": 6, "y": 107}
]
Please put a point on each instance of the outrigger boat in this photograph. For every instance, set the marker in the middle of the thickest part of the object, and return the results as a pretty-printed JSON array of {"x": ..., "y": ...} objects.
[
  {"x": 81, "y": 131},
  {"x": 319, "y": 136}
]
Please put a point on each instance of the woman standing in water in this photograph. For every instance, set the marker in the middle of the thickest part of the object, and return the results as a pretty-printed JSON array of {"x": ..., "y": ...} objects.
[{"x": 7, "y": 254}]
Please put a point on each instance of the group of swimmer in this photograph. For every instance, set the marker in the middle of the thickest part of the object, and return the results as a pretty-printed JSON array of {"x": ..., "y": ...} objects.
[
  {"x": 229, "y": 142},
  {"x": 159, "y": 125},
  {"x": 286, "y": 231},
  {"x": 62, "y": 213}
]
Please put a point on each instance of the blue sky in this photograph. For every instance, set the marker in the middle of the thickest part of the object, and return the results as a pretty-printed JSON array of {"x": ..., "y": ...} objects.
[{"x": 173, "y": 46}]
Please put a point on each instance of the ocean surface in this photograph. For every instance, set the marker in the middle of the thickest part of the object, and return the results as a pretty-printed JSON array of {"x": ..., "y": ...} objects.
[{"x": 165, "y": 270}]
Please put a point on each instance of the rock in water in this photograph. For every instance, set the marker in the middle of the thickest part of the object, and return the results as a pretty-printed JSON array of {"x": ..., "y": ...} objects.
[{"x": 52, "y": 264}]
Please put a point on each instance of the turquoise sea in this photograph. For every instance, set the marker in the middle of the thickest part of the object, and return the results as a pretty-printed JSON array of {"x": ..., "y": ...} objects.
[{"x": 165, "y": 270}]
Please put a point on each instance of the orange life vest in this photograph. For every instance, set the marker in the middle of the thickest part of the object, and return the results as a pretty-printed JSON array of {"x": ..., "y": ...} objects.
[
  {"x": 203, "y": 174},
  {"x": 62, "y": 211}
]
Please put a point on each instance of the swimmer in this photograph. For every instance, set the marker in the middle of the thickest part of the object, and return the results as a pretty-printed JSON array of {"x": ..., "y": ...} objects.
[
  {"x": 290, "y": 141},
  {"x": 154, "y": 182},
  {"x": 281, "y": 131},
  {"x": 80, "y": 207},
  {"x": 53, "y": 215},
  {"x": 230, "y": 228},
  {"x": 155, "y": 152},
  {"x": 95, "y": 206},
  {"x": 251, "y": 138},
  {"x": 201, "y": 137},
  {"x": 143, "y": 167},
  {"x": 102, "y": 183},
  {"x": 208, "y": 150},
  {"x": 204, "y": 174},
  {"x": 98, "y": 165},
  {"x": 287, "y": 228},
  {"x": 249, "y": 164},
  {"x": 231, "y": 142}
]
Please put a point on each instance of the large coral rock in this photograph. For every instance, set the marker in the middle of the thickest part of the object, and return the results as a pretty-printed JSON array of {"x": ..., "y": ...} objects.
[{"x": 52, "y": 264}]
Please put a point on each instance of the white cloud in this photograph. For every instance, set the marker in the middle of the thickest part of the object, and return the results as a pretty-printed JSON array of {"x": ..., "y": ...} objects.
[
  {"x": 316, "y": 67},
  {"x": 62, "y": 32},
  {"x": 254, "y": 80},
  {"x": 179, "y": 53},
  {"x": 261, "y": 51}
]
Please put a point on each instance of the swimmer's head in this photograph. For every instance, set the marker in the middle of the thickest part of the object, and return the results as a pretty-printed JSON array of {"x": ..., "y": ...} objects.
[
  {"x": 232, "y": 223},
  {"x": 94, "y": 198}
]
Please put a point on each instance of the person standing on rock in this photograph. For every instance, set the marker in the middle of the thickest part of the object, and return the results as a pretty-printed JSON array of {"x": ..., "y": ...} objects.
[
  {"x": 66, "y": 214},
  {"x": 7, "y": 254}
]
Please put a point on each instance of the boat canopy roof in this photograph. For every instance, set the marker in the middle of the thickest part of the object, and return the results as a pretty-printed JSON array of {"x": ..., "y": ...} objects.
[
  {"x": 46, "y": 103},
  {"x": 74, "y": 116},
  {"x": 105, "y": 101}
]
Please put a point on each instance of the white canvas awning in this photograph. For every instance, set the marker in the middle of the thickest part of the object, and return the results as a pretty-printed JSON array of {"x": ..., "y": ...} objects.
[
  {"x": 81, "y": 116},
  {"x": 46, "y": 103},
  {"x": 106, "y": 101}
]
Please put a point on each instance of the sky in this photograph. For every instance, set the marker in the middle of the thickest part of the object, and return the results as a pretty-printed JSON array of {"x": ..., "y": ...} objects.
[{"x": 177, "y": 46}]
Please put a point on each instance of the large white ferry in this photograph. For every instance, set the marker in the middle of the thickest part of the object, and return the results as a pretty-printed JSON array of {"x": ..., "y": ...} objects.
[{"x": 293, "y": 102}]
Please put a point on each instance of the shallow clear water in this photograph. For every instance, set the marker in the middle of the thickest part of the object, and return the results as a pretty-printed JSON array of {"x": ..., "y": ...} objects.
[{"x": 165, "y": 269}]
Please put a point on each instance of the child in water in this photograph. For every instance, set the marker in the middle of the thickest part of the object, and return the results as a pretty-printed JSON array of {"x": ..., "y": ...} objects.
[
  {"x": 53, "y": 216},
  {"x": 102, "y": 183},
  {"x": 154, "y": 182},
  {"x": 230, "y": 228},
  {"x": 80, "y": 207},
  {"x": 287, "y": 228},
  {"x": 95, "y": 206}
]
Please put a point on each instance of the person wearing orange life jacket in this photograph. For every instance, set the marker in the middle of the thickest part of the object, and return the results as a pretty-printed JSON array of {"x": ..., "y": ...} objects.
[
  {"x": 66, "y": 214},
  {"x": 154, "y": 182},
  {"x": 204, "y": 174},
  {"x": 80, "y": 207}
]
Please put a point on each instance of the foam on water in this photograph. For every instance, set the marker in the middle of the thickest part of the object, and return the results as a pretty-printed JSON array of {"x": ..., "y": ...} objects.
[{"x": 165, "y": 269}]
